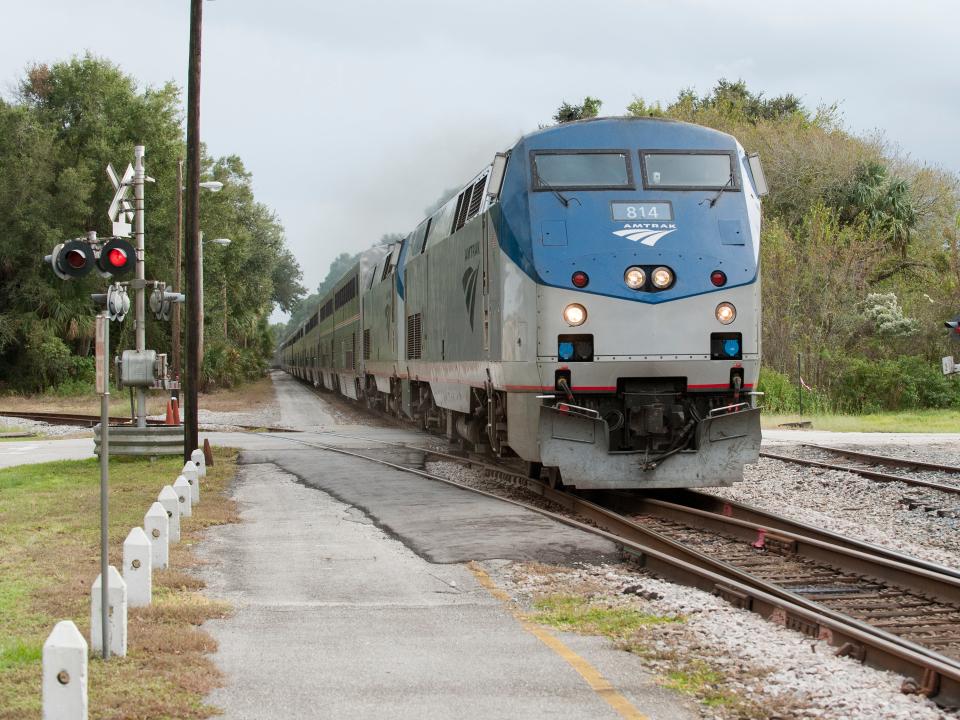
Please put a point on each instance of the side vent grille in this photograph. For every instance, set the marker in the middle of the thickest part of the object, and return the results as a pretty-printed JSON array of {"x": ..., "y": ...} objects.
[
  {"x": 463, "y": 204},
  {"x": 414, "y": 341},
  {"x": 366, "y": 344},
  {"x": 477, "y": 197},
  {"x": 468, "y": 203}
]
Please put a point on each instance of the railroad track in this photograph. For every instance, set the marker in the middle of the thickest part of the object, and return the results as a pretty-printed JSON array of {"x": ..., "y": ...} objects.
[
  {"x": 867, "y": 460},
  {"x": 885, "y": 609},
  {"x": 89, "y": 421}
]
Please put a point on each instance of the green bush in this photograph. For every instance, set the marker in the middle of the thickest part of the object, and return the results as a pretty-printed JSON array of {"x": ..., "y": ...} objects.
[
  {"x": 906, "y": 383},
  {"x": 781, "y": 396}
]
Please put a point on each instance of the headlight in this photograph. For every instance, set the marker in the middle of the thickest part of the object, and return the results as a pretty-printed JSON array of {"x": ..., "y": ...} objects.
[
  {"x": 726, "y": 313},
  {"x": 662, "y": 278},
  {"x": 575, "y": 314},
  {"x": 635, "y": 278}
]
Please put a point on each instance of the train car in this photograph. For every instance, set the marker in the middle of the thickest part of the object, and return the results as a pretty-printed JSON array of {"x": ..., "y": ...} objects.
[{"x": 589, "y": 302}]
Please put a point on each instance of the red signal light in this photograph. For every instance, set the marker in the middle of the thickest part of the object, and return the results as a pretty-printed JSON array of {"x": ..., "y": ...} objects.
[
  {"x": 76, "y": 259},
  {"x": 718, "y": 278},
  {"x": 580, "y": 279},
  {"x": 117, "y": 257}
]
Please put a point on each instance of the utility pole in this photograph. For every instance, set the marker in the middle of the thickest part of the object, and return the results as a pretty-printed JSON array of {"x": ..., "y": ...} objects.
[
  {"x": 177, "y": 262},
  {"x": 140, "y": 319},
  {"x": 194, "y": 309}
]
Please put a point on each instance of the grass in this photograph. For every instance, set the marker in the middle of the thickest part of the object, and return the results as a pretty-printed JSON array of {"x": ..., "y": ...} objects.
[
  {"x": 49, "y": 557},
  {"x": 577, "y": 614},
  {"x": 698, "y": 679},
  {"x": 907, "y": 421}
]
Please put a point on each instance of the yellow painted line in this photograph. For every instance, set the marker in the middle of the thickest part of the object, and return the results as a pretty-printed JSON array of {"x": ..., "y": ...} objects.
[{"x": 597, "y": 682}]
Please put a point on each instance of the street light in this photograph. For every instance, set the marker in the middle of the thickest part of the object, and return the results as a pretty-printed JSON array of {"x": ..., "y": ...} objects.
[
  {"x": 211, "y": 186},
  {"x": 222, "y": 242}
]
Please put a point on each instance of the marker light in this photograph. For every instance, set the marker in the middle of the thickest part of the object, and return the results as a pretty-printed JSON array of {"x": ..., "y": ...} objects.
[
  {"x": 662, "y": 278},
  {"x": 726, "y": 313},
  {"x": 575, "y": 314},
  {"x": 580, "y": 279},
  {"x": 635, "y": 277},
  {"x": 731, "y": 347},
  {"x": 718, "y": 278}
]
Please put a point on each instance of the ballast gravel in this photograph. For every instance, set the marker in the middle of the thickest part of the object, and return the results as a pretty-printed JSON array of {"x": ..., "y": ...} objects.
[
  {"x": 43, "y": 429},
  {"x": 778, "y": 673}
]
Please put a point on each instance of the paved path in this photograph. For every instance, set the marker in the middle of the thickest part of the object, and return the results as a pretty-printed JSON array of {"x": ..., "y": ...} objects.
[
  {"x": 355, "y": 598},
  {"x": 336, "y": 619}
]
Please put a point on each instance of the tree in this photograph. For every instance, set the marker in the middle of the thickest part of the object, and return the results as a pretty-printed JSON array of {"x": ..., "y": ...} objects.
[
  {"x": 65, "y": 123},
  {"x": 568, "y": 113}
]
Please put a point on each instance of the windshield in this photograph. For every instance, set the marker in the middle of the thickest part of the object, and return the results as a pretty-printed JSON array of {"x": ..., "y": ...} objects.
[
  {"x": 688, "y": 171},
  {"x": 559, "y": 171}
]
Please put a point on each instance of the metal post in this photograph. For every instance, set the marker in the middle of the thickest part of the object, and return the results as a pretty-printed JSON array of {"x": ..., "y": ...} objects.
[
  {"x": 177, "y": 262},
  {"x": 799, "y": 385},
  {"x": 103, "y": 382},
  {"x": 139, "y": 308},
  {"x": 194, "y": 307}
]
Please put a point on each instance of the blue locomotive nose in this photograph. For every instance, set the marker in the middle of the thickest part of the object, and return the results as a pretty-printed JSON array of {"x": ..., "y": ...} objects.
[{"x": 731, "y": 347}]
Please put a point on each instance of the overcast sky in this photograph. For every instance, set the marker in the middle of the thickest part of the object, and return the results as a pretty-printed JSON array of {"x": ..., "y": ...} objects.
[{"x": 354, "y": 116}]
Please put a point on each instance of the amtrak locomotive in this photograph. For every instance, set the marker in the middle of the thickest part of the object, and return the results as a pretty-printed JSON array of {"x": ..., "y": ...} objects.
[{"x": 589, "y": 302}]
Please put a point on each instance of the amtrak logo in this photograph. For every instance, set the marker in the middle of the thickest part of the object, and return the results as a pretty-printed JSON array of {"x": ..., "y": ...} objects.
[
  {"x": 470, "y": 291},
  {"x": 646, "y": 233}
]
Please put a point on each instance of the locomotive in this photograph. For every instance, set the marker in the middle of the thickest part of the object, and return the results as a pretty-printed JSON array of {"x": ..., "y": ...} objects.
[{"x": 588, "y": 302}]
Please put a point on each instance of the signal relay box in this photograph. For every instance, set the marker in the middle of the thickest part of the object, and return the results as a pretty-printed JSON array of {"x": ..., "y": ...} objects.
[{"x": 138, "y": 369}]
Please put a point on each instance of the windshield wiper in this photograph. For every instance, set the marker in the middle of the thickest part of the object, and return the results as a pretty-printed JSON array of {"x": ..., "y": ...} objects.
[
  {"x": 551, "y": 188},
  {"x": 713, "y": 200}
]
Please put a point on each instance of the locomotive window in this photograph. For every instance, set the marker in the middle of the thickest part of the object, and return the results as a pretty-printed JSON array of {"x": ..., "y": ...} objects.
[
  {"x": 596, "y": 170},
  {"x": 688, "y": 171}
]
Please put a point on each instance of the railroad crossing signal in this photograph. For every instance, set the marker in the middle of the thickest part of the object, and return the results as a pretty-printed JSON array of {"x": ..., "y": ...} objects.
[
  {"x": 118, "y": 302},
  {"x": 954, "y": 326},
  {"x": 76, "y": 258},
  {"x": 161, "y": 302},
  {"x": 115, "y": 300},
  {"x": 70, "y": 259},
  {"x": 117, "y": 257}
]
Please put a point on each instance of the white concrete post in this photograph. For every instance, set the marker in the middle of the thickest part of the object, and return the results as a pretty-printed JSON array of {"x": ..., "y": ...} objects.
[
  {"x": 138, "y": 568},
  {"x": 184, "y": 492},
  {"x": 192, "y": 475},
  {"x": 65, "y": 673},
  {"x": 117, "y": 597},
  {"x": 171, "y": 503},
  {"x": 200, "y": 461},
  {"x": 157, "y": 525}
]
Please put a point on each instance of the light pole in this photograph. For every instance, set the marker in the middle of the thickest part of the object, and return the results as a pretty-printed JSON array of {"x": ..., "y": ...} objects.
[
  {"x": 212, "y": 186},
  {"x": 222, "y": 242}
]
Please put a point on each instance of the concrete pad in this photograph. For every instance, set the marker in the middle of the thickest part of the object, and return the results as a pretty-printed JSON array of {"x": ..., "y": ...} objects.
[
  {"x": 336, "y": 619},
  {"x": 34, "y": 451},
  {"x": 439, "y": 522}
]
